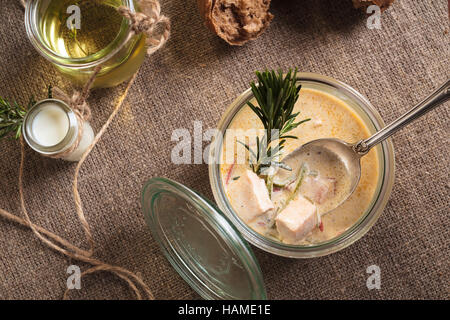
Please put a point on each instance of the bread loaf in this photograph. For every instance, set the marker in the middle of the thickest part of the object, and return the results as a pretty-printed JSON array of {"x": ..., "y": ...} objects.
[{"x": 236, "y": 21}]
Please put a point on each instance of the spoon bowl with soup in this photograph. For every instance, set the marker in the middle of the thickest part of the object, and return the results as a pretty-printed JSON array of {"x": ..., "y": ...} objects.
[{"x": 343, "y": 159}]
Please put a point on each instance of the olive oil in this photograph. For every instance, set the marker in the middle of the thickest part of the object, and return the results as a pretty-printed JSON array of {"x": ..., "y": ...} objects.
[
  {"x": 99, "y": 24},
  {"x": 100, "y": 30}
]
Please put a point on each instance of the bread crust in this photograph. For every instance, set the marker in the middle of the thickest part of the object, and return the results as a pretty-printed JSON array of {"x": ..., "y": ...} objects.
[
  {"x": 217, "y": 15},
  {"x": 205, "y": 7}
]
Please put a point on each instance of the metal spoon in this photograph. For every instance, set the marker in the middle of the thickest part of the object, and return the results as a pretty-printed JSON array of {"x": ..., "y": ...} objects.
[{"x": 350, "y": 154}]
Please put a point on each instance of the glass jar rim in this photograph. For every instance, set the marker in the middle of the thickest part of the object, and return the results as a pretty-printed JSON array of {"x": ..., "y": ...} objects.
[
  {"x": 31, "y": 26},
  {"x": 335, "y": 244},
  {"x": 65, "y": 143}
]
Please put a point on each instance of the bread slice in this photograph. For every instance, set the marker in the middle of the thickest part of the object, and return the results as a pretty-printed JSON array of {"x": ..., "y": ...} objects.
[{"x": 236, "y": 21}]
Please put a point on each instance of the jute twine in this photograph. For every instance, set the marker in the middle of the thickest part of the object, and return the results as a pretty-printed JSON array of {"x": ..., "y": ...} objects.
[
  {"x": 144, "y": 22},
  {"x": 81, "y": 109},
  {"x": 147, "y": 22}
]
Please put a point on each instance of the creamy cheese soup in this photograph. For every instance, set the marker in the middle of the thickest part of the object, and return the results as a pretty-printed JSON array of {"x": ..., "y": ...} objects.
[{"x": 291, "y": 212}]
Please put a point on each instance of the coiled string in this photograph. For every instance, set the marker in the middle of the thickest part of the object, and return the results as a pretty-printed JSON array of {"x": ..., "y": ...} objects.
[{"x": 141, "y": 22}]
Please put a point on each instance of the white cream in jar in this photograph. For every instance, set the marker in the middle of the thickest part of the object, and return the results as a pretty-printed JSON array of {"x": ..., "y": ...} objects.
[{"x": 52, "y": 129}]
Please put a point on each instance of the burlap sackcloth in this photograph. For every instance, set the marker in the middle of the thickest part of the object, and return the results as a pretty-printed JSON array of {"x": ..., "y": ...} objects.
[{"x": 195, "y": 77}]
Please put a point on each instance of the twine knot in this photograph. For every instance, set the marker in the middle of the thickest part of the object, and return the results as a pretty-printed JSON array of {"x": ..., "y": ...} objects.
[
  {"x": 139, "y": 21},
  {"x": 76, "y": 102},
  {"x": 147, "y": 21}
]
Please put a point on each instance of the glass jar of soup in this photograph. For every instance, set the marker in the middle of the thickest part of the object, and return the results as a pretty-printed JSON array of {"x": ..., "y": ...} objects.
[
  {"x": 78, "y": 35},
  {"x": 382, "y": 174}
]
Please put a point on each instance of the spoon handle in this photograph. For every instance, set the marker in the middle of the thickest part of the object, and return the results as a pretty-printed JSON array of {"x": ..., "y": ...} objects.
[{"x": 441, "y": 95}]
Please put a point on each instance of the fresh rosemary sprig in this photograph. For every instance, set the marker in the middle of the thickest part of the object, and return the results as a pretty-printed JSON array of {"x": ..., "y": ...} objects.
[
  {"x": 11, "y": 118},
  {"x": 12, "y": 115},
  {"x": 276, "y": 96}
]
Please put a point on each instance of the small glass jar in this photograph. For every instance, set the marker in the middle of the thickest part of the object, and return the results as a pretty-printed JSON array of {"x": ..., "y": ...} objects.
[
  {"x": 372, "y": 120},
  {"x": 120, "y": 59},
  {"x": 51, "y": 128}
]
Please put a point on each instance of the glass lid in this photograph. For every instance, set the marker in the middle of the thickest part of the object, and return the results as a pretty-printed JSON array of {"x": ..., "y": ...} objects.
[{"x": 201, "y": 243}]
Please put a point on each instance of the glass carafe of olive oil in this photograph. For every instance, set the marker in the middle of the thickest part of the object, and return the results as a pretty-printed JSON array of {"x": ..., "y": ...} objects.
[{"x": 78, "y": 35}]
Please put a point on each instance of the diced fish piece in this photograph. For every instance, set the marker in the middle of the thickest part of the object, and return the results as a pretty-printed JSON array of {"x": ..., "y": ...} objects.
[
  {"x": 317, "y": 123},
  {"x": 318, "y": 189},
  {"x": 250, "y": 196},
  {"x": 296, "y": 220}
]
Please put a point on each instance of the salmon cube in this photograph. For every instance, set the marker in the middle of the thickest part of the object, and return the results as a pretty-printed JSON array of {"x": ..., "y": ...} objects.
[
  {"x": 318, "y": 189},
  {"x": 249, "y": 196},
  {"x": 296, "y": 220}
]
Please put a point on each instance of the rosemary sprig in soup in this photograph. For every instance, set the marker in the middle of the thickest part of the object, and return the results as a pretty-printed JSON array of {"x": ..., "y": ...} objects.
[{"x": 276, "y": 96}]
